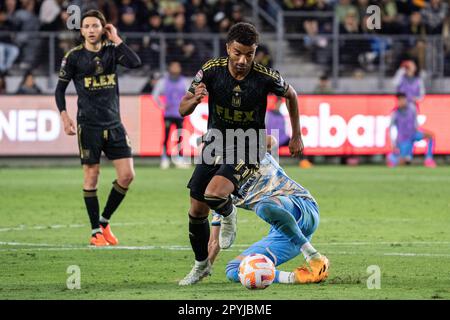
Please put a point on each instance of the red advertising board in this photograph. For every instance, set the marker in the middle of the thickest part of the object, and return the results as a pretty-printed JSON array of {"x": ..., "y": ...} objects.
[{"x": 331, "y": 125}]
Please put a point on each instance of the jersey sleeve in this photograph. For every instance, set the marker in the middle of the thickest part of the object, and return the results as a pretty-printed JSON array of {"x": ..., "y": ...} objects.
[
  {"x": 277, "y": 85},
  {"x": 201, "y": 76},
  {"x": 67, "y": 70}
]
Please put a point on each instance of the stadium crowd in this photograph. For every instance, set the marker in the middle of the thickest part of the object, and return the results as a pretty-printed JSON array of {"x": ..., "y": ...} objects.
[{"x": 420, "y": 18}]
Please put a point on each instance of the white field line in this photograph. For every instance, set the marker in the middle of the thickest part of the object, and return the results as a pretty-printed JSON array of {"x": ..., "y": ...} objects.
[
  {"x": 124, "y": 224},
  {"x": 52, "y": 247},
  {"x": 60, "y": 226}
]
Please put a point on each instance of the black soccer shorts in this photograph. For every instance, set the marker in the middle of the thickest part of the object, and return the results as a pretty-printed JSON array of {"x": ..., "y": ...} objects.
[
  {"x": 113, "y": 142},
  {"x": 203, "y": 173}
]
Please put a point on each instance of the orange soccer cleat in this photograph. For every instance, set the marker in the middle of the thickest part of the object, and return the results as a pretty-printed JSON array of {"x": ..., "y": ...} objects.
[
  {"x": 317, "y": 271},
  {"x": 109, "y": 236},
  {"x": 98, "y": 240}
]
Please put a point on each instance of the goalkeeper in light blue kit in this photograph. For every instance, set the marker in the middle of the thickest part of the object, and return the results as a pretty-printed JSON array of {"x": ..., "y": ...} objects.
[{"x": 293, "y": 215}]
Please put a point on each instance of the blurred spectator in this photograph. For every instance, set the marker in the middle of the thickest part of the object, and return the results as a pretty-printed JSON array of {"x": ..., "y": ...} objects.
[
  {"x": 2, "y": 84},
  {"x": 195, "y": 6},
  {"x": 318, "y": 45},
  {"x": 170, "y": 9},
  {"x": 128, "y": 23},
  {"x": 151, "y": 82},
  {"x": 351, "y": 49},
  {"x": 25, "y": 20},
  {"x": 222, "y": 9},
  {"x": 50, "y": 15},
  {"x": 8, "y": 50},
  {"x": 389, "y": 17},
  {"x": 263, "y": 56},
  {"x": 324, "y": 86},
  {"x": 276, "y": 125},
  {"x": 203, "y": 47},
  {"x": 434, "y": 15},
  {"x": 408, "y": 82},
  {"x": 237, "y": 14},
  {"x": 181, "y": 48},
  {"x": 28, "y": 85},
  {"x": 361, "y": 7},
  {"x": 343, "y": 8},
  {"x": 173, "y": 86},
  {"x": 294, "y": 5},
  {"x": 151, "y": 44},
  {"x": 416, "y": 46}
]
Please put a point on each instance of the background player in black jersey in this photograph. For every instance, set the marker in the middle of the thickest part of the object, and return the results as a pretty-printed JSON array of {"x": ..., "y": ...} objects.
[
  {"x": 92, "y": 67},
  {"x": 237, "y": 90}
]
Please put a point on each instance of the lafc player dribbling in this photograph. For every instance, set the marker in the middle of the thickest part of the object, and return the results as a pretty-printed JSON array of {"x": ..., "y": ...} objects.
[
  {"x": 237, "y": 89},
  {"x": 92, "y": 66}
]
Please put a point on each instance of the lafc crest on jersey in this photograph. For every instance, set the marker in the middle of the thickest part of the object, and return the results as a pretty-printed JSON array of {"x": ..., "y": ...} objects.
[
  {"x": 98, "y": 66},
  {"x": 236, "y": 97}
]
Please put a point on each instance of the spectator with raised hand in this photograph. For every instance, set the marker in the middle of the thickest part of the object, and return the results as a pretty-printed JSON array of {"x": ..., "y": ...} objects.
[{"x": 408, "y": 82}]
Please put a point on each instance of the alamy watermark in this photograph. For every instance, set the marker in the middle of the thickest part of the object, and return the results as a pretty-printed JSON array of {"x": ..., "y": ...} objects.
[
  {"x": 373, "y": 21},
  {"x": 74, "y": 279},
  {"x": 230, "y": 146},
  {"x": 374, "y": 280}
]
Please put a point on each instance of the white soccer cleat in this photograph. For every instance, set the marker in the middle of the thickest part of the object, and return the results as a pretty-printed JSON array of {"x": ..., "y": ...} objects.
[
  {"x": 198, "y": 272},
  {"x": 228, "y": 229}
]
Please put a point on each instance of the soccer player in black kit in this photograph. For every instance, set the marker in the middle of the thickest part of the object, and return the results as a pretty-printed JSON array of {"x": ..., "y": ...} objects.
[
  {"x": 237, "y": 90},
  {"x": 92, "y": 66}
]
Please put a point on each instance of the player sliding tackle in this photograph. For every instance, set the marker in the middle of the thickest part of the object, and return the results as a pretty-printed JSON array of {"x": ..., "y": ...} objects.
[
  {"x": 92, "y": 66},
  {"x": 237, "y": 89},
  {"x": 293, "y": 215}
]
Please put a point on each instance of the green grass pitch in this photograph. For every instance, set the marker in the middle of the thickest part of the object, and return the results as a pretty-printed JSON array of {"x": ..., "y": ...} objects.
[{"x": 396, "y": 219}]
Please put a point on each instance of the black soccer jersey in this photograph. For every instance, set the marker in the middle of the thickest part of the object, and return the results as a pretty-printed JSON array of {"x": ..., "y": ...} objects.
[
  {"x": 96, "y": 82},
  {"x": 238, "y": 104}
]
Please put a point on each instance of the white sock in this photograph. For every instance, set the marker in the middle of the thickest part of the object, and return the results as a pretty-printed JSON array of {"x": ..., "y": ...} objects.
[
  {"x": 103, "y": 220},
  {"x": 286, "y": 277},
  {"x": 309, "y": 252},
  {"x": 94, "y": 231},
  {"x": 201, "y": 263}
]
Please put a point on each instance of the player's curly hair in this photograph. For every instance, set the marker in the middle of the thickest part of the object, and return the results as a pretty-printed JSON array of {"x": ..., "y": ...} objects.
[{"x": 244, "y": 33}]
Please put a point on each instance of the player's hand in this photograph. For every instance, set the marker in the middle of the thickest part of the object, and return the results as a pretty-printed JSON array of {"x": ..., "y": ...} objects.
[
  {"x": 69, "y": 126},
  {"x": 200, "y": 92},
  {"x": 111, "y": 33},
  {"x": 296, "y": 146}
]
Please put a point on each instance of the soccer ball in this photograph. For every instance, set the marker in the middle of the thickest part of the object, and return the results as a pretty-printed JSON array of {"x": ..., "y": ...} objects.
[{"x": 256, "y": 271}]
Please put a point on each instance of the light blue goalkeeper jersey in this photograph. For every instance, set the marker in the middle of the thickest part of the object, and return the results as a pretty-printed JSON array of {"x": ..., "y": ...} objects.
[{"x": 269, "y": 181}]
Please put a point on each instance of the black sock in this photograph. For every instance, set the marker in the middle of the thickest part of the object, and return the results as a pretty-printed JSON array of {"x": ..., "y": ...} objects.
[
  {"x": 199, "y": 236},
  {"x": 115, "y": 198},
  {"x": 91, "y": 201}
]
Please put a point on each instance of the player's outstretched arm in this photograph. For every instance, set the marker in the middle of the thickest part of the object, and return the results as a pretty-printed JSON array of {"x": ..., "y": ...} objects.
[
  {"x": 213, "y": 244},
  {"x": 296, "y": 142},
  {"x": 190, "y": 101},
  {"x": 125, "y": 55},
  {"x": 60, "y": 92}
]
